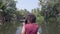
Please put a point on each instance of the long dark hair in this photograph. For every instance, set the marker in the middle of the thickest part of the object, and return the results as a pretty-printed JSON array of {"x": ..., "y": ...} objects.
[
  {"x": 25, "y": 21},
  {"x": 31, "y": 18}
]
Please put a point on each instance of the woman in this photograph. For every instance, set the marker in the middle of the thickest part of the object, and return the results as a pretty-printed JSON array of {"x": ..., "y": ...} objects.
[{"x": 31, "y": 27}]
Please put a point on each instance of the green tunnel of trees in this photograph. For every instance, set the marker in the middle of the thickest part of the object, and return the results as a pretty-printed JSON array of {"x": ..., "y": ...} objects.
[{"x": 48, "y": 17}]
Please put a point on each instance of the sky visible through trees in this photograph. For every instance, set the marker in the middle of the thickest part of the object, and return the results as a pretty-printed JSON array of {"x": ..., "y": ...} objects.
[{"x": 27, "y": 4}]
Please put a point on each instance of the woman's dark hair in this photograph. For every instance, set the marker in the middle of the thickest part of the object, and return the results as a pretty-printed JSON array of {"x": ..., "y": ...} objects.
[
  {"x": 31, "y": 18},
  {"x": 25, "y": 21}
]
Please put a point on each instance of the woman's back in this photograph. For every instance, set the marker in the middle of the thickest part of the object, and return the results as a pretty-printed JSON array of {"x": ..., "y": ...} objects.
[{"x": 31, "y": 28}]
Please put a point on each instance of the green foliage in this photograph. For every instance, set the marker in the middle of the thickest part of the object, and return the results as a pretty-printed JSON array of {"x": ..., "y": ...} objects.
[
  {"x": 48, "y": 17},
  {"x": 50, "y": 11},
  {"x": 8, "y": 9},
  {"x": 7, "y": 17},
  {"x": 39, "y": 18}
]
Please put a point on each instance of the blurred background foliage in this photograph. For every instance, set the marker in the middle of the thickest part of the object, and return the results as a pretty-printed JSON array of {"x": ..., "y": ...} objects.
[
  {"x": 48, "y": 17},
  {"x": 51, "y": 12}
]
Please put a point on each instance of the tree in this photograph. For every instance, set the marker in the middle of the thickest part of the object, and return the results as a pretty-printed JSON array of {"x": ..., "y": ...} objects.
[
  {"x": 8, "y": 8},
  {"x": 7, "y": 11},
  {"x": 49, "y": 11},
  {"x": 39, "y": 18}
]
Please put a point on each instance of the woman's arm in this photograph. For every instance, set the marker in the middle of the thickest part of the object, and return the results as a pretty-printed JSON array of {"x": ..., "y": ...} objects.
[{"x": 23, "y": 30}]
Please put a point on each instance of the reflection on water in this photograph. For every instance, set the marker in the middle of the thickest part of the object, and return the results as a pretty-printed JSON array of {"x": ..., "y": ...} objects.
[{"x": 20, "y": 29}]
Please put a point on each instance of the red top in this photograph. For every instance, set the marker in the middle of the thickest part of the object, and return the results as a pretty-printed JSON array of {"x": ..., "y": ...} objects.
[{"x": 31, "y": 28}]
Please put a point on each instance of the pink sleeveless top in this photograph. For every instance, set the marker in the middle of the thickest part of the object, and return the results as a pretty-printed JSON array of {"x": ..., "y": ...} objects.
[{"x": 31, "y": 28}]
